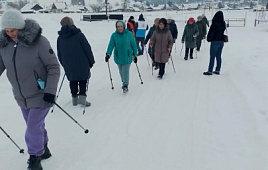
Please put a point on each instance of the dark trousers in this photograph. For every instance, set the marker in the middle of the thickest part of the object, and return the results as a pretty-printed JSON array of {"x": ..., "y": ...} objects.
[
  {"x": 187, "y": 52},
  {"x": 154, "y": 63},
  {"x": 198, "y": 42},
  {"x": 140, "y": 48},
  {"x": 161, "y": 68},
  {"x": 215, "y": 52},
  {"x": 82, "y": 87}
]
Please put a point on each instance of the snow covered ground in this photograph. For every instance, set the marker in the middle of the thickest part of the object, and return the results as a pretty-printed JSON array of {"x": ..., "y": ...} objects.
[{"x": 186, "y": 121}]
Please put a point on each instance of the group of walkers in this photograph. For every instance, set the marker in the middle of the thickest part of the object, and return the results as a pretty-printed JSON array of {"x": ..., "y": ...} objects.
[{"x": 33, "y": 68}]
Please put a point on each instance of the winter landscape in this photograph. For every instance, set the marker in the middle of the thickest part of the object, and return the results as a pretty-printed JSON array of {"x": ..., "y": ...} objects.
[{"x": 186, "y": 121}]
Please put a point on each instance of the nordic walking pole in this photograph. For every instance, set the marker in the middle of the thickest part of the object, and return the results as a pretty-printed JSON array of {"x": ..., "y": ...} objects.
[
  {"x": 139, "y": 72},
  {"x": 84, "y": 111},
  {"x": 175, "y": 47},
  {"x": 21, "y": 150},
  {"x": 59, "y": 90},
  {"x": 181, "y": 49},
  {"x": 85, "y": 130},
  {"x": 147, "y": 56},
  {"x": 196, "y": 53},
  {"x": 152, "y": 68},
  {"x": 172, "y": 63},
  {"x": 110, "y": 75}
]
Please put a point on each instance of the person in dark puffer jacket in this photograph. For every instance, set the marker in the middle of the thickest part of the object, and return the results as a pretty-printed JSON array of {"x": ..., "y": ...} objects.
[
  {"x": 172, "y": 28},
  {"x": 216, "y": 37},
  {"x": 77, "y": 59},
  {"x": 151, "y": 50},
  {"x": 33, "y": 72},
  {"x": 131, "y": 24},
  {"x": 202, "y": 32}
]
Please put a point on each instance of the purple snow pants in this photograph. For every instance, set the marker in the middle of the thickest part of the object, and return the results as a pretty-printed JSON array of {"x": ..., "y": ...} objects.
[{"x": 36, "y": 134}]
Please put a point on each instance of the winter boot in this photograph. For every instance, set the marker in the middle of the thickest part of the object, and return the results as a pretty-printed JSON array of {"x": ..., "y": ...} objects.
[
  {"x": 186, "y": 58},
  {"x": 216, "y": 72},
  {"x": 125, "y": 89},
  {"x": 207, "y": 73},
  {"x": 74, "y": 100},
  {"x": 191, "y": 57},
  {"x": 82, "y": 100},
  {"x": 35, "y": 163},
  {"x": 45, "y": 155},
  {"x": 159, "y": 77}
]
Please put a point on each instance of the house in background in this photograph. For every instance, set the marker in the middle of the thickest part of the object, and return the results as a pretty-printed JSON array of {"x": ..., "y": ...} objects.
[
  {"x": 30, "y": 8},
  {"x": 58, "y": 7}
]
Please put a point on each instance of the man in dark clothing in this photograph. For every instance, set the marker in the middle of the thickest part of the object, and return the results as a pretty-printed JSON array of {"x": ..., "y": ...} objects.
[
  {"x": 202, "y": 33},
  {"x": 205, "y": 22},
  {"x": 140, "y": 30},
  {"x": 149, "y": 35},
  {"x": 173, "y": 28}
]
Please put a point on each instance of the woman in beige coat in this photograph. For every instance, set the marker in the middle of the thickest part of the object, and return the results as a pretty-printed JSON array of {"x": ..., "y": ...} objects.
[{"x": 163, "y": 41}]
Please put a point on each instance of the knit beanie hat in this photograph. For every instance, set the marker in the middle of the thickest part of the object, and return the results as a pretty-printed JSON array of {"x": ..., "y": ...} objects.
[
  {"x": 199, "y": 17},
  {"x": 191, "y": 19},
  {"x": 119, "y": 23},
  {"x": 12, "y": 18},
  {"x": 66, "y": 21}
]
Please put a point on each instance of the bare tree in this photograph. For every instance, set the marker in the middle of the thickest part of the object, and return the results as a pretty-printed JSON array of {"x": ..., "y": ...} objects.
[
  {"x": 125, "y": 4},
  {"x": 95, "y": 7}
]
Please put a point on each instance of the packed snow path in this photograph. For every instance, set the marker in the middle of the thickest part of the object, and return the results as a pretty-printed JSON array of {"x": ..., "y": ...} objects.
[{"x": 186, "y": 121}]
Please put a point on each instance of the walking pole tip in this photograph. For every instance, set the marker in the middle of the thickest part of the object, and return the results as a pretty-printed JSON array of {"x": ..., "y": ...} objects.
[
  {"x": 22, "y": 151},
  {"x": 86, "y": 131}
]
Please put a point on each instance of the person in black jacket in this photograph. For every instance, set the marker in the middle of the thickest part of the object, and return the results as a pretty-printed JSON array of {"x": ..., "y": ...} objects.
[
  {"x": 148, "y": 36},
  {"x": 205, "y": 22},
  {"x": 216, "y": 37},
  {"x": 77, "y": 59},
  {"x": 131, "y": 24},
  {"x": 173, "y": 28},
  {"x": 202, "y": 32}
]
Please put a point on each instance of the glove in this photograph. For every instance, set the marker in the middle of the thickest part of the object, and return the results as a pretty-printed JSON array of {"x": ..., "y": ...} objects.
[
  {"x": 135, "y": 59},
  {"x": 50, "y": 98},
  {"x": 107, "y": 57}
]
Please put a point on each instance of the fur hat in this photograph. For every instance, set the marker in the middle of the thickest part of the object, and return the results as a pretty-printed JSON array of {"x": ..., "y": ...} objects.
[
  {"x": 191, "y": 19},
  {"x": 12, "y": 18},
  {"x": 66, "y": 21},
  {"x": 164, "y": 21}
]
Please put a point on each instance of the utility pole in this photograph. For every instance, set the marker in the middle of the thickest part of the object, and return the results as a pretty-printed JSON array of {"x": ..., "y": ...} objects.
[
  {"x": 166, "y": 8},
  {"x": 106, "y": 7}
]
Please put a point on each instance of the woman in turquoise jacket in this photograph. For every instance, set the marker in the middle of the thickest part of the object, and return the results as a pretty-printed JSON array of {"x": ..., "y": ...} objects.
[{"x": 123, "y": 43}]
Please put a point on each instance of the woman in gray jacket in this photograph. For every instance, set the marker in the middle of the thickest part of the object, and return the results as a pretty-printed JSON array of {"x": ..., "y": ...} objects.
[
  {"x": 189, "y": 37},
  {"x": 33, "y": 71}
]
